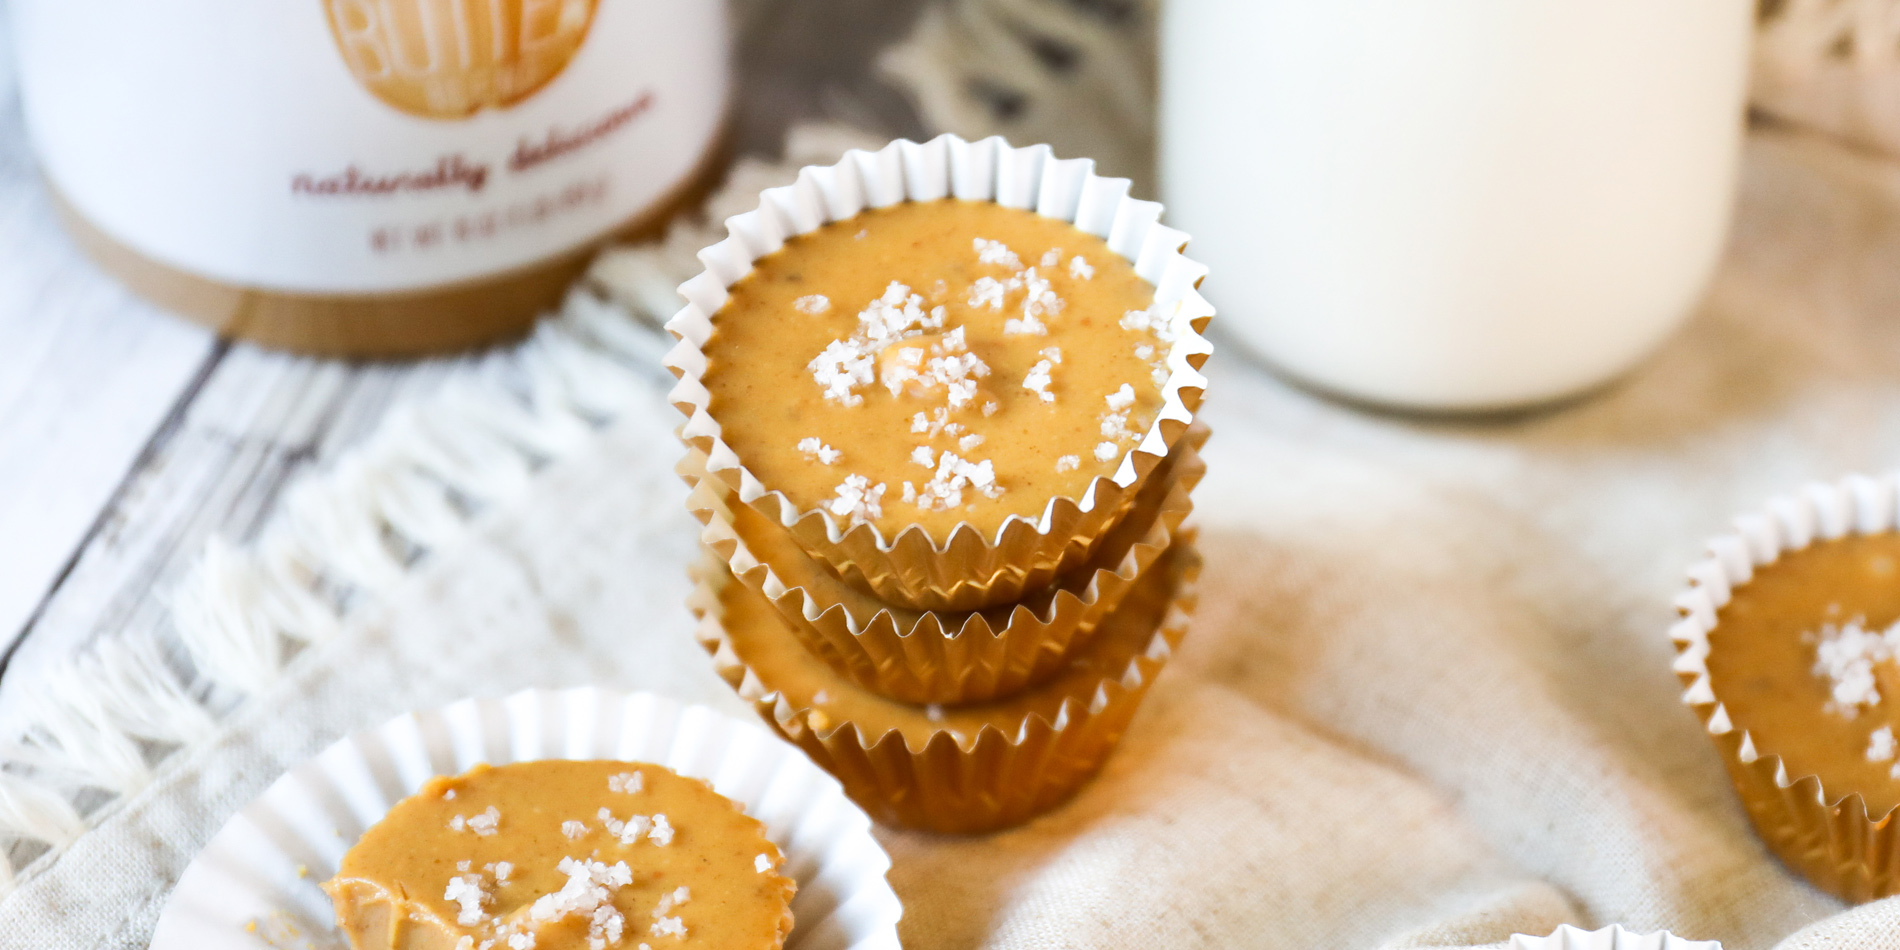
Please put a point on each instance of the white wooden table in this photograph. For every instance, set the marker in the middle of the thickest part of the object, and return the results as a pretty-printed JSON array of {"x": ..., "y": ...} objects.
[{"x": 128, "y": 437}]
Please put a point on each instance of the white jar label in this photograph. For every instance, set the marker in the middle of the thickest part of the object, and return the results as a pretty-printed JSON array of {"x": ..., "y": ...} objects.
[{"x": 363, "y": 146}]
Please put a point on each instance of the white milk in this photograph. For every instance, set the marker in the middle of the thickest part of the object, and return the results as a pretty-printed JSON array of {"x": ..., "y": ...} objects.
[{"x": 1453, "y": 204}]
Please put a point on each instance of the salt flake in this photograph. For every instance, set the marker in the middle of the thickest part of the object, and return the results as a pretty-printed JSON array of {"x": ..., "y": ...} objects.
[
  {"x": 813, "y": 448},
  {"x": 858, "y": 499},
  {"x": 996, "y": 253}
]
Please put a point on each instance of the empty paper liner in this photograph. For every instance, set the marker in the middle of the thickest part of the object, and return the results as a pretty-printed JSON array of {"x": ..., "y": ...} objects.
[
  {"x": 1825, "y": 834},
  {"x": 966, "y": 570},
  {"x": 939, "y": 657},
  {"x": 1613, "y": 937},
  {"x": 962, "y": 769}
]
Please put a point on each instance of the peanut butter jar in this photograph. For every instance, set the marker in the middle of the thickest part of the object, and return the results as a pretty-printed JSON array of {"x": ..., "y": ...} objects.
[{"x": 364, "y": 178}]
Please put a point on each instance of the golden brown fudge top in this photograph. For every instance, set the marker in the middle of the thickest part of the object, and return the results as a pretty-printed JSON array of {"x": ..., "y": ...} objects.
[
  {"x": 564, "y": 855},
  {"x": 1803, "y": 657},
  {"x": 937, "y": 362}
]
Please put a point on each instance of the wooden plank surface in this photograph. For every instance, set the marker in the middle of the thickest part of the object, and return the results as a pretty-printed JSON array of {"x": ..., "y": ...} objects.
[
  {"x": 128, "y": 438},
  {"x": 257, "y": 420},
  {"x": 87, "y": 375}
]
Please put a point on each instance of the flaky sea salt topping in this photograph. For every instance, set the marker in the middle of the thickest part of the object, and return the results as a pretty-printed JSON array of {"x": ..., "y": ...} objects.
[
  {"x": 1039, "y": 300},
  {"x": 588, "y": 893},
  {"x": 1154, "y": 320},
  {"x": 996, "y": 253},
  {"x": 812, "y": 448},
  {"x": 762, "y": 863},
  {"x": 1880, "y": 745},
  {"x": 1039, "y": 378},
  {"x": 845, "y": 365},
  {"x": 840, "y": 369},
  {"x": 626, "y": 783},
  {"x": 1845, "y": 656},
  {"x": 857, "y": 500},
  {"x": 812, "y": 304},
  {"x": 467, "y": 893},
  {"x": 943, "y": 367},
  {"x": 954, "y": 474},
  {"x": 628, "y": 831},
  {"x": 483, "y": 825},
  {"x": 896, "y": 315},
  {"x": 665, "y": 925},
  {"x": 990, "y": 292}
]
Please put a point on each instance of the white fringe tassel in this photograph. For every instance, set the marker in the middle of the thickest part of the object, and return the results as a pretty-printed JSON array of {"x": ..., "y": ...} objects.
[
  {"x": 341, "y": 536},
  {"x": 345, "y": 535}
]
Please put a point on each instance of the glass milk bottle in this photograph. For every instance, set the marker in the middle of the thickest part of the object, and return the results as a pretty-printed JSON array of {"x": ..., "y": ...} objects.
[{"x": 1454, "y": 205}]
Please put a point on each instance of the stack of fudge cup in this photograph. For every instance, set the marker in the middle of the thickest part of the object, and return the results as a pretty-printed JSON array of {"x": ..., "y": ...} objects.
[{"x": 970, "y": 681}]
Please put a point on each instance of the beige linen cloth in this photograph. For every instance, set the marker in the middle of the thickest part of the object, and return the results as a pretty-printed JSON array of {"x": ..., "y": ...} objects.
[{"x": 1427, "y": 701}]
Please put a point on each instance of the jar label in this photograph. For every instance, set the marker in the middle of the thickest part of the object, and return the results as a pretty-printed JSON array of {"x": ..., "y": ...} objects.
[{"x": 362, "y": 146}]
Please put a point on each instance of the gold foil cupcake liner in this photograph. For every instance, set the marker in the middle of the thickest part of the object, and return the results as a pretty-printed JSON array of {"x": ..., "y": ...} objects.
[
  {"x": 1827, "y": 836},
  {"x": 966, "y": 570},
  {"x": 939, "y": 657},
  {"x": 973, "y": 769}
]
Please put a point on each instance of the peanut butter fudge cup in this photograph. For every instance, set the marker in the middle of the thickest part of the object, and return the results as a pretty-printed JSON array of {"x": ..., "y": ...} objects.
[
  {"x": 564, "y": 855},
  {"x": 1790, "y": 651},
  {"x": 942, "y": 656},
  {"x": 944, "y": 368},
  {"x": 952, "y": 769}
]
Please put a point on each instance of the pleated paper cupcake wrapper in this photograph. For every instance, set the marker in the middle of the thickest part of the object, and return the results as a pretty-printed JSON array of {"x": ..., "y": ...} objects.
[
  {"x": 938, "y": 657},
  {"x": 968, "y": 569},
  {"x": 1609, "y": 938},
  {"x": 255, "y": 885},
  {"x": 958, "y": 782},
  {"x": 1827, "y": 836}
]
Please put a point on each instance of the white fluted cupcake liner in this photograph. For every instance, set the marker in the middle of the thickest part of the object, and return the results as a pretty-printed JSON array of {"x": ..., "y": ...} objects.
[
  {"x": 255, "y": 885},
  {"x": 1613, "y": 937},
  {"x": 966, "y": 570},
  {"x": 1828, "y": 836}
]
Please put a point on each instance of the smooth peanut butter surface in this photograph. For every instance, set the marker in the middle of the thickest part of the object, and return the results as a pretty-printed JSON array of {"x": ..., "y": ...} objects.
[
  {"x": 564, "y": 855},
  {"x": 937, "y": 362},
  {"x": 764, "y": 643},
  {"x": 1803, "y": 659}
]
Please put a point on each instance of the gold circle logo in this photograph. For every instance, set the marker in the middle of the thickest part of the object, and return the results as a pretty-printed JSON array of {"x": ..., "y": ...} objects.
[{"x": 449, "y": 59}]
